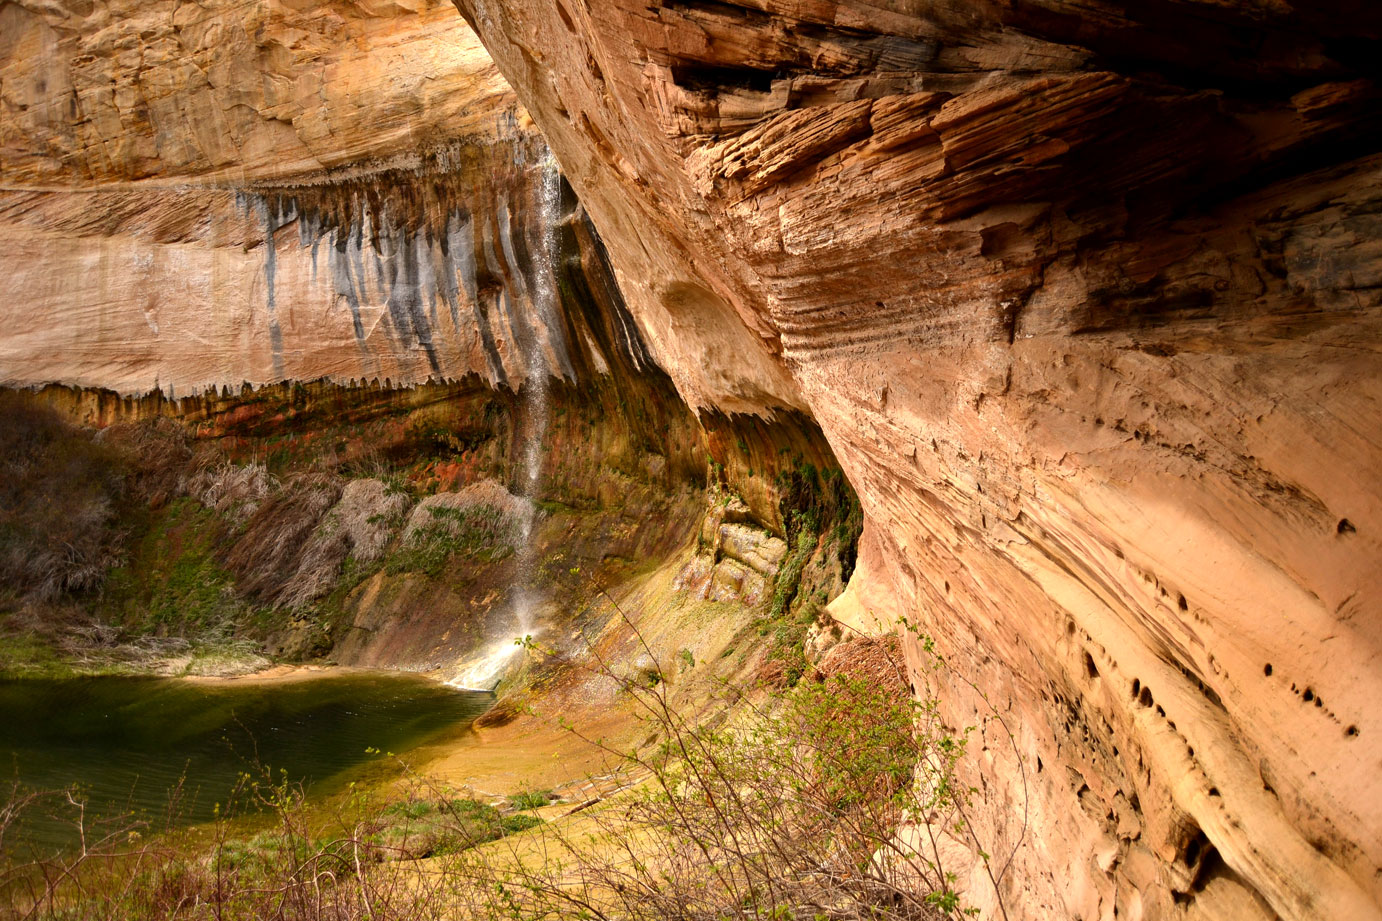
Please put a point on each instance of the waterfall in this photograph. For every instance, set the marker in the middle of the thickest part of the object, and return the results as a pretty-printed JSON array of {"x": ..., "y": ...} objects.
[
  {"x": 485, "y": 671},
  {"x": 536, "y": 389}
]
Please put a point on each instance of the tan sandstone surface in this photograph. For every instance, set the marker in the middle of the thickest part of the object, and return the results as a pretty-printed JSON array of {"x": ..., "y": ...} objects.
[
  {"x": 200, "y": 195},
  {"x": 1086, "y": 300}
]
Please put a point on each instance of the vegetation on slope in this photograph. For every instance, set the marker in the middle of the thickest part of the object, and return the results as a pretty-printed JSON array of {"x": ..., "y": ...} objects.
[
  {"x": 839, "y": 799},
  {"x": 797, "y": 800},
  {"x": 285, "y": 530}
]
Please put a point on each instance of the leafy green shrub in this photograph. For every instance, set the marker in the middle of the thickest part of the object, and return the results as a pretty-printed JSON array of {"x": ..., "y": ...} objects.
[
  {"x": 479, "y": 532},
  {"x": 826, "y": 801},
  {"x": 513, "y": 824},
  {"x": 530, "y": 799},
  {"x": 789, "y": 573}
]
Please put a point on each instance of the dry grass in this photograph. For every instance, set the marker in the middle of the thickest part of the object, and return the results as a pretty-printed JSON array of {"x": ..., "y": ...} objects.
[
  {"x": 356, "y": 858},
  {"x": 483, "y": 522},
  {"x": 158, "y": 449},
  {"x": 235, "y": 491},
  {"x": 360, "y": 526},
  {"x": 509, "y": 511},
  {"x": 267, "y": 555}
]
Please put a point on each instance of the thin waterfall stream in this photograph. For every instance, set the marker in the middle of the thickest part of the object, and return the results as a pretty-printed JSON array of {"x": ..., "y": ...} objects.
[{"x": 486, "y": 671}]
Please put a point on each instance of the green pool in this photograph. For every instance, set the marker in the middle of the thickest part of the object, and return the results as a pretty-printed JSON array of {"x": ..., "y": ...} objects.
[{"x": 128, "y": 741}]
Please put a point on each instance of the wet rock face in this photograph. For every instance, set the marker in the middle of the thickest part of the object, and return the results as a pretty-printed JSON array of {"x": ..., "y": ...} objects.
[
  {"x": 260, "y": 193},
  {"x": 1084, "y": 302},
  {"x": 481, "y": 270},
  {"x": 736, "y": 559}
]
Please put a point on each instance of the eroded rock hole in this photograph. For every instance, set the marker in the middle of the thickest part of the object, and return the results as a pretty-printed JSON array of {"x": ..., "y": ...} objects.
[
  {"x": 1351, "y": 731},
  {"x": 1000, "y": 240},
  {"x": 1211, "y": 865},
  {"x": 1090, "y": 668},
  {"x": 1309, "y": 695},
  {"x": 1145, "y": 698},
  {"x": 713, "y": 79},
  {"x": 1182, "y": 603},
  {"x": 1346, "y": 527},
  {"x": 1196, "y": 847},
  {"x": 1267, "y": 669}
]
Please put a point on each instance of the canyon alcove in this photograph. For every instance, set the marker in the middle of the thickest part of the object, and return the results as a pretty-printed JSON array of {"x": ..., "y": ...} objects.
[{"x": 585, "y": 350}]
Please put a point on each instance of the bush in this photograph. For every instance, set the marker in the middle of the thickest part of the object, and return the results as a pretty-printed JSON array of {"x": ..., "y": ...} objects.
[
  {"x": 530, "y": 799},
  {"x": 830, "y": 800},
  {"x": 269, "y": 552},
  {"x": 479, "y": 532},
  {"x": 59, "y": 495}
]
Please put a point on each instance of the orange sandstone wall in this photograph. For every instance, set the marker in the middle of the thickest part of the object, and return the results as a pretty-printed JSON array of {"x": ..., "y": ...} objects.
[
  {"x": 1087, "y": 301},
  {"x": 260, "y": 192}
]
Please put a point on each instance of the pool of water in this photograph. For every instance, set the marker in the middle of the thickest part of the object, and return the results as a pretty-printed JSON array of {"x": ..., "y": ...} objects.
[{"x": 128, "y": 741}]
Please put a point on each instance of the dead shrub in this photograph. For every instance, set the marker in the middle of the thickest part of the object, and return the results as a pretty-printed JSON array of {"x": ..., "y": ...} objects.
[
  {"x": 482, "y": 522},
  {"x": 59, "y": 495},
  {"x": 359, "y": 526},
  {"x": 158, "y": 450},
  {"x": 507, "y": 511},
  {"x": 234, "y": 491},
  {"x": 267, "y": 555}
]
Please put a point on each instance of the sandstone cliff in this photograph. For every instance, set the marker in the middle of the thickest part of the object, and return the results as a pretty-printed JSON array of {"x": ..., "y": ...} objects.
[
  {"x": 1086, "y": 300},
  {"x": 254, "y": 193}
]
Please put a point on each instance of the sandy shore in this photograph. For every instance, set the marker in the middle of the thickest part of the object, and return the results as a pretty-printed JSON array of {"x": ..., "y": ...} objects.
[
  {"x": 529, "y": 753},
  {"x": 284, "y": 674}
]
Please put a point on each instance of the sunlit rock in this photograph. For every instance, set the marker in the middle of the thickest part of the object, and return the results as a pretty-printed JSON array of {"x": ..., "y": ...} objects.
[{"x": 1084, "y": 302}]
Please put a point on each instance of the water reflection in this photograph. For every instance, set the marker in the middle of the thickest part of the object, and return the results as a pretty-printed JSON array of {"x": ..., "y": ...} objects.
[{"x": 128, "y": 741}]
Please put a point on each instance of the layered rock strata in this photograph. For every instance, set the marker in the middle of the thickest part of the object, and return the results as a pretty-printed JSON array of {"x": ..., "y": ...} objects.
[
  {"x": 256, "y": 193},
  {"x": 403, "y": 527},
  {"x": 197, "y": 210},
  {"x": 183, "y": 291},
  {"x": 115, "y": 92},
  {"x": 1087, "y": 301}
]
